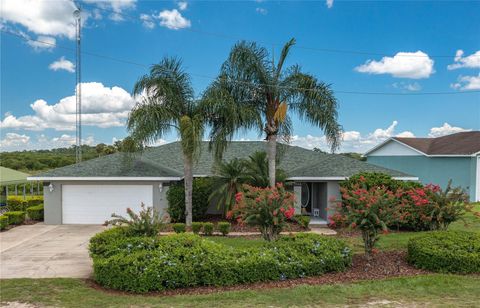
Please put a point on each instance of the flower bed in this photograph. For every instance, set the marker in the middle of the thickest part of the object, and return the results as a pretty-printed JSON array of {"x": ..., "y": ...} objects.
[
  {"x": 142, "y": 264},
  {"x": 446, "y": 252}
]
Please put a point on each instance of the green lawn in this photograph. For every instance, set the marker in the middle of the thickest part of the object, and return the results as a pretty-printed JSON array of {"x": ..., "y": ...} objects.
[{"x": 429, "y": 290}]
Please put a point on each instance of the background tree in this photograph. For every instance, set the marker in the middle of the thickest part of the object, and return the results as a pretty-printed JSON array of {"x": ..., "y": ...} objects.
[
  {"x": 253, "y": 91},
  {"x": 168, "y": 104}
]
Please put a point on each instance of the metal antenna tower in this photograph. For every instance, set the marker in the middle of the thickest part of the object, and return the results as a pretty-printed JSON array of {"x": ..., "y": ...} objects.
[{"x": 78, "y": 85}]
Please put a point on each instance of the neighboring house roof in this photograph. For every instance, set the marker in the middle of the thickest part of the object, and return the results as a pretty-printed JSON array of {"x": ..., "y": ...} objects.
[
  {"x": 458, "y": 144},
  {"x": 9, "y": 176},
  {"x": 166, "y": 161}
]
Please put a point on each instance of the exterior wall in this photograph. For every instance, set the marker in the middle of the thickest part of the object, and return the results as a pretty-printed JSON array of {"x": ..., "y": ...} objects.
[
  {"x": 53, "y": 200},
  {"x": 437, "y": 170}
]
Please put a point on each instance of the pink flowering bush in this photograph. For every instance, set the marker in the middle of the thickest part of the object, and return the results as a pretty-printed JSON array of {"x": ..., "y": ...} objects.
[
  {"x": 268, "y": 208},
  {"x": 366, "y": 209},
  {"x": 430, "y": 207}
]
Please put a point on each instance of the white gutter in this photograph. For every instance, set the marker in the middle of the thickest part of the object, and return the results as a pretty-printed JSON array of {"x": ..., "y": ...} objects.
[{"x": 101, "y": 178}]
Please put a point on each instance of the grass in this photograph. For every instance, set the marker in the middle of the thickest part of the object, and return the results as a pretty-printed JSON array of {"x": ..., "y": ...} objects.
[{"x": 429, "y": 290}]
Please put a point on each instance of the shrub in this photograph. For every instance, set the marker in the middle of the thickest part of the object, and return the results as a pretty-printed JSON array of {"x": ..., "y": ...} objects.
[
  {"x": 147, "y": 222},
  {"x": 197, "y": 227},
  {"x": 3, "y": 222},
  {"x": 430, "y": 207},
  {"x": 302, "y": 220},
  {"x": 224, "y": 227},
  {"x": 202, "y": 188},
  {"x": 100, "y": 241},
  {"x": 369, "y": 210},
  {"x": 16, "y": 204},
  {"x": 36, "y": 200},
  {"x": 268, "y": 208},
  {"x": 446, "y": 251},
  {"x": 179, "y": 227},
  {"x": 35, "y": 212},
  {"x": 15, "y": 218},
  {"x": 142, "y": 264},
  {"x": 208, "y": 228},
  {"x": 377, "y": 179}
]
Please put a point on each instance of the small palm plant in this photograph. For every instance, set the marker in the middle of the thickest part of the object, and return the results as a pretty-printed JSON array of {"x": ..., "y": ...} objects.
[
  {"x": 147, "y": 222},
  {"x": 228, "y": 180}
]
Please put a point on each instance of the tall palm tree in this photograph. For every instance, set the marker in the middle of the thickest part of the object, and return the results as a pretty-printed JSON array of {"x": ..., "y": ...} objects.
[
  {"x": 253, "y": 91},
  {"x": 168, "y": 104}
]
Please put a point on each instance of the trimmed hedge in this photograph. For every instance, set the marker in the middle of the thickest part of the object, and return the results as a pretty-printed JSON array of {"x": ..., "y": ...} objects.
[
  {"x": 15, "y": 218},
  {"x": 208, "y": 228},
  {"x": 17, "y": 203},
  {"x": 179, "y": 227},
  {"x": 35, "y": 212},
  {"x": 224, "y": 227},
  {"x": 3, "y": 222},
  {"x": 197, "y": 227},
  {"x": 142, "y": 264},
  {"x": 446, "y": 252}
]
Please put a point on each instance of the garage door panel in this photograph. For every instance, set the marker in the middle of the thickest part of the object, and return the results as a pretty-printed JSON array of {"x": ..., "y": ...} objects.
[{"x": 93, "y": 204}]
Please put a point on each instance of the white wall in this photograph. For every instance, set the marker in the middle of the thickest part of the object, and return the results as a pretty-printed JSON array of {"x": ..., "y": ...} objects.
[{"x": 394, "y": 148}]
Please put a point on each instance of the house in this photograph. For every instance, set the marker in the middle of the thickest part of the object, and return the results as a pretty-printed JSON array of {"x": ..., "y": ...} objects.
[
  {"x": 89, "y": 192},
  {"x": 453, "y": 157}
]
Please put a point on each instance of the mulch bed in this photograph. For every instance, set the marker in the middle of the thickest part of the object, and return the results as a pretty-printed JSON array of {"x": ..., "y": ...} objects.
[{"x": 383, "y": 265}]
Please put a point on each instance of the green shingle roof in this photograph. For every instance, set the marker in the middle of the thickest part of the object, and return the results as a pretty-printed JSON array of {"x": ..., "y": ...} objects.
[{"x": 167, "y": 161}]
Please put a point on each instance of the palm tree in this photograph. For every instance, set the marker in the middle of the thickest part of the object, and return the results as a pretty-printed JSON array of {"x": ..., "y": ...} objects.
[
  {"x": 256, "y": 170},
  {"x": 228, "y": 180},
  {"x": 168, "y": 104},
  {"x": 254, "y": 92}
]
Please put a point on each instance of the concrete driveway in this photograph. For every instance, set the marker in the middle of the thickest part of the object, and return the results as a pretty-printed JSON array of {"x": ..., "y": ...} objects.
[{"x": 45, "y": 251}]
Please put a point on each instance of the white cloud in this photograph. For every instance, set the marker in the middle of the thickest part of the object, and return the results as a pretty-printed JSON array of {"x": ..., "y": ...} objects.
[
  {"x": 42, "y": 43},
  {"x": 352, "y": 141},
  {"x": 13, "y": 140},
  {"x": 182, "y": 5},
  {"x": 147, "y": 21},
  {"x": 329, "y": 3},
  {"x": 41, "y": 17},
  {"x": 16, "y": 142},
  {"x": 414, "y": 86},
  {"x": 62, "y": 64},
  {"x": 262, "y": 11},
  {"x": 414, "y": 65},
  {"x": 467, "y": 83},
  {"x": 471, "y": 61},
  {"x": 173, "y": 20},
  {"x": 116, "y": 6},
  {"x": 446, "y": 129},
  {"x": 101, "y": 107}
]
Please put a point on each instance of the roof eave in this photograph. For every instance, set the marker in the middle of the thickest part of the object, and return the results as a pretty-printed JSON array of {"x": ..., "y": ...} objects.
[{"x": 101, "y": 178}]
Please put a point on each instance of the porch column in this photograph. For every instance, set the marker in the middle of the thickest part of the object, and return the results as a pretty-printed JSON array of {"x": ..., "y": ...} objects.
[{"x": 297, "y": 190}]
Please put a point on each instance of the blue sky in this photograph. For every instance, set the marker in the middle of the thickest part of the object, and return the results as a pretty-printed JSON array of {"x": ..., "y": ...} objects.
[{"x": 380, "y": 47}]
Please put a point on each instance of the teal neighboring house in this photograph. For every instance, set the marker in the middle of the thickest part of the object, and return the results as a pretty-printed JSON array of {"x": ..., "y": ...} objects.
[{"x": 434, "y": 160}]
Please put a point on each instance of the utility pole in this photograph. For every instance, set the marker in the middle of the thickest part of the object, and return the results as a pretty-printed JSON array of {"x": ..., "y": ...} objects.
[{"x": 78, "y": 85}]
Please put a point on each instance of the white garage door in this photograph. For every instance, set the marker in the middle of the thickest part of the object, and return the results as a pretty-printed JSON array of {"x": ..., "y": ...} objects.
[{"x": 93, "y": 204}]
